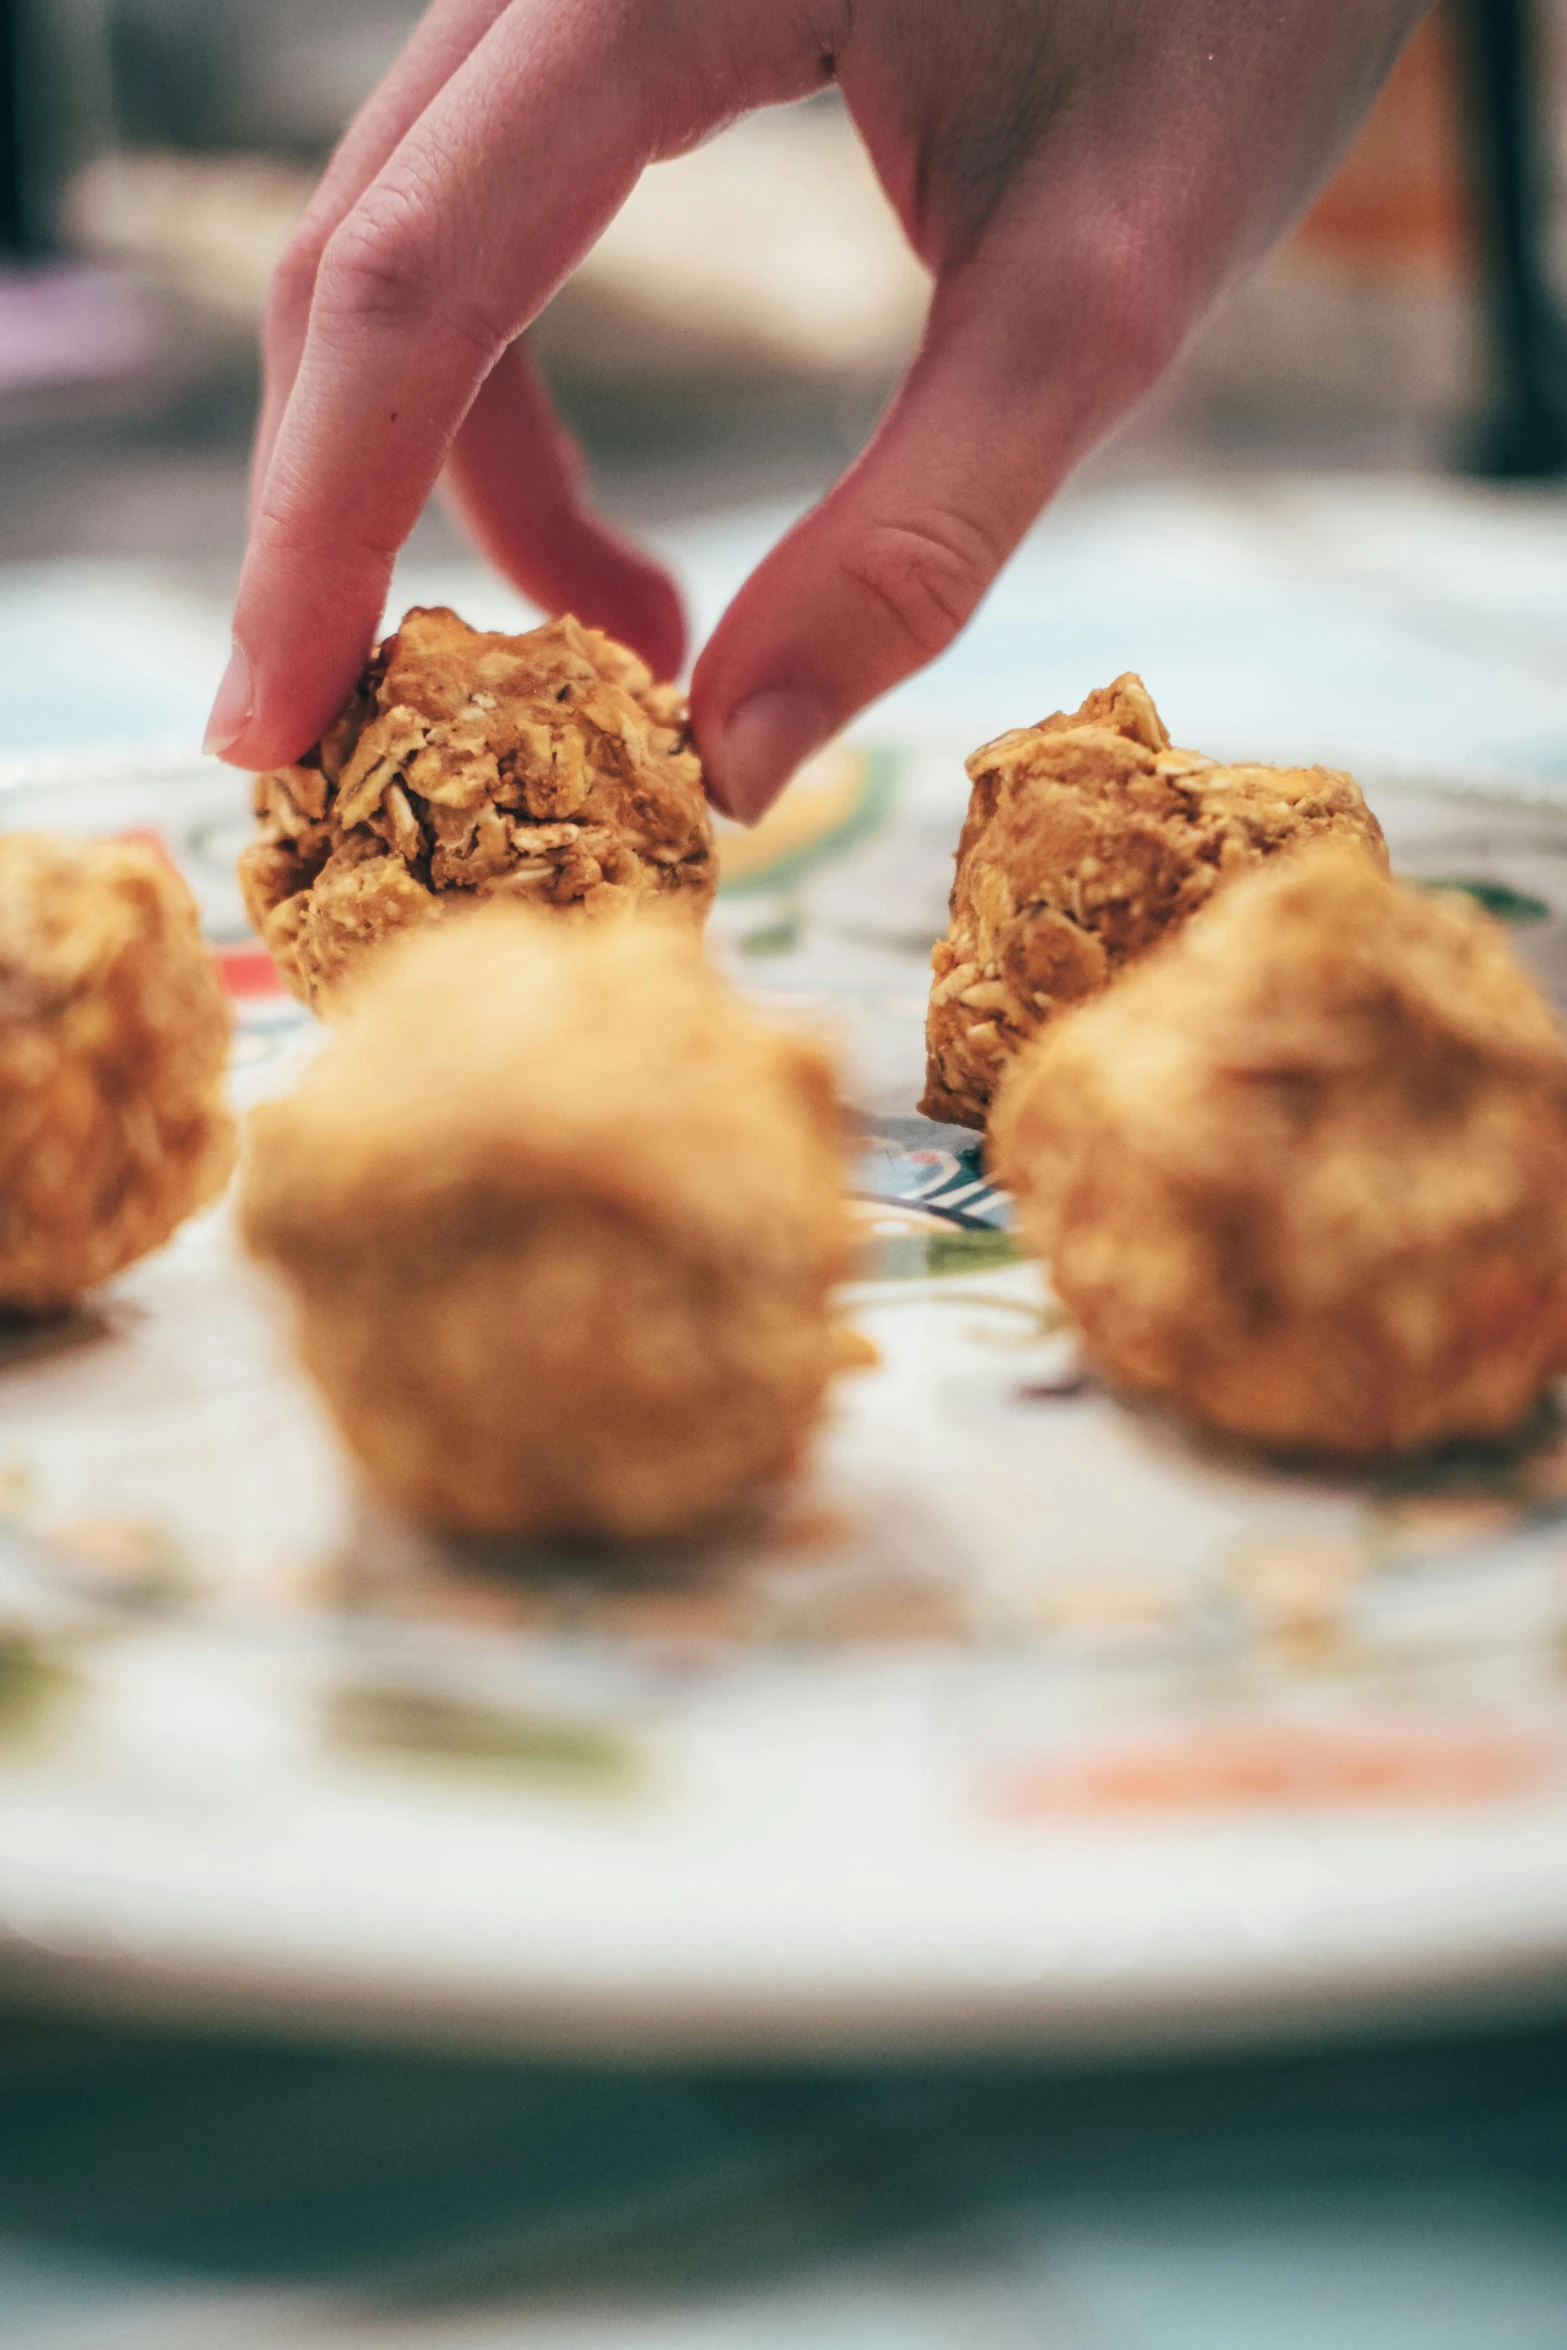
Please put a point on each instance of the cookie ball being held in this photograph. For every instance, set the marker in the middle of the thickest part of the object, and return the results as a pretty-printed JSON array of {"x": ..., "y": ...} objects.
[
  {"x": 113, "y": 1041},
  {"x": 546, "y": 767},
  {"x": 562, "y": 1222},
  {"x": 1304, "y": 1174},
  {"x": 1089, "y": 840}
]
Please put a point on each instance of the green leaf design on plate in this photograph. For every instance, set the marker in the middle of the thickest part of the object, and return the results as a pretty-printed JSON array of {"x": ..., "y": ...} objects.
[
  {"x": 774, "y": 938},
  {"x": 1499, "y": 898},
  {"x": 389, "y": 1719},
  {"x": 29, "y": 1678},
  {"x": 925, "y": 1256}
]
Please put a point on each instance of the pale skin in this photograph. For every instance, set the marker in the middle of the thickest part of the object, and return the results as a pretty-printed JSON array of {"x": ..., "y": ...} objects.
[{"x": 1081, "y": 177}]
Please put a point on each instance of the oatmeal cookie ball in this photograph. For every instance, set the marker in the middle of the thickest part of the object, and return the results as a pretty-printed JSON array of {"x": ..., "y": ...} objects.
[
  {"x": 1304, "y": 1174},
  {"x": 113, "y": 1038},
  {"x": 546, "y": 767},
  {"x": 562, "y": 1221},
  {"x": 1088, "y": 840}
]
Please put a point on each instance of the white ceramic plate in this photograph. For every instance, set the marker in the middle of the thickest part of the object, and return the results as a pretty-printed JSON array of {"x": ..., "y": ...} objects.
[{"x": 1022, "y": 1716}]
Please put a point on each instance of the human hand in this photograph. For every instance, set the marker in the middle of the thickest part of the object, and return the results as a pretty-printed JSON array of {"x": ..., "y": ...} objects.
[{"x": 1081, "y": 179}]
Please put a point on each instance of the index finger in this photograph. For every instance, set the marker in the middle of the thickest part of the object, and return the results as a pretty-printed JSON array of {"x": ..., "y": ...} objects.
[
  {"x": 481, "y": 210},
  {"x": 444, "y": 36}
]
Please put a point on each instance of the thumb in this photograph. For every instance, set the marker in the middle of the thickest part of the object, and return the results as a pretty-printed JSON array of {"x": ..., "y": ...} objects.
[{"x": 1012, "y": 383}]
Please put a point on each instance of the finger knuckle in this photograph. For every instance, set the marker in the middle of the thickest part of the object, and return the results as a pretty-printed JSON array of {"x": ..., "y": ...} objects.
[
  {"x": 1136, "y": 286},
  {"x": 927, "y": 574},
  {"x": 294, "y": 527},
  {"x": 382, "y": 262}
]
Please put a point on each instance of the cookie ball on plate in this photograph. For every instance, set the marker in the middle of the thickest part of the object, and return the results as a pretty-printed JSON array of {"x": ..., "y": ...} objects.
[
  {"x": 1304, "y": 1174},
  {"x": 547, "y": 768},
  {"x": 113, "y": 1038},
  {"x": 562, "y": 1221},
  {"x": 1088, "y": 840}
]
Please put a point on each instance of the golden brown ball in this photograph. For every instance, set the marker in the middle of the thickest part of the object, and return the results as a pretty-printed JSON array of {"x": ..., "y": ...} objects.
[
  {"x": 562, "y": 1220},
  {"x": 1089, "y": 839},
  {"x": 113, "y": 1039},
  {"x": 546, "y": 767},
  {"x": 1304, "y": 1174}
]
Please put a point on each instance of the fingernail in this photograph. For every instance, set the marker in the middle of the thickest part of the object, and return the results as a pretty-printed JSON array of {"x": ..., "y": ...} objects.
[
  {"x": 234, "y": 706},
  {"x": 767, "y": 738}
]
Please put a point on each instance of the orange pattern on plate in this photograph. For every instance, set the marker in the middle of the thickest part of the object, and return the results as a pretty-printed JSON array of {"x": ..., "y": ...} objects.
[{"x": 1283, "y": 1763}]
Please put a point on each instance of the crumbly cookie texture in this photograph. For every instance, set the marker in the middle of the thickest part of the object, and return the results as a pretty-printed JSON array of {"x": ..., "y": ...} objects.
[
  {"x": 1088, "y": 840},
  {"x": 562, "y": 1221},
  {"x": 547, "y": 767},
  {"x": 1304, "y": 1174},
  {"x": 113, "y": 1038}
]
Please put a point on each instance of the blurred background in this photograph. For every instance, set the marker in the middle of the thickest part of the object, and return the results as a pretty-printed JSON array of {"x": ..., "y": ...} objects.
[
  {"x": 1355, "y": 462},
  {"x": 737, "y": 328}
]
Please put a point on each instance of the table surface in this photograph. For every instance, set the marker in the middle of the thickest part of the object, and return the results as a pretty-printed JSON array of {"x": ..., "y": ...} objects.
[{"x": 159, "y": 2190}]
